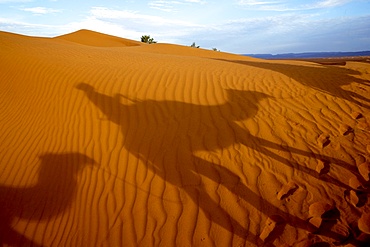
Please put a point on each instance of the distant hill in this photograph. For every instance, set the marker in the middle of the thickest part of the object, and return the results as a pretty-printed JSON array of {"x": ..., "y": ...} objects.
[{"x": 310, "y": 55}]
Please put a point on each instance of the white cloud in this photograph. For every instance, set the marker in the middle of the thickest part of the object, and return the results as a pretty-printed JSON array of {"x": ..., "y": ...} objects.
[
  {"x": 166, "y": 6},
  {"x": 195, "y": 1},
  {"x": 102, "y": 26},
  {"x": 162, "y": 29},
  {"x": 41, "y": 10},
  {"x": 256, "y": 2},
  {"x": 123, "y": 23},
  {"x": 294, "y": 33},
  {"x": 21, "y": 27},
  {"x": 283, "y": 5},
  {"x": 171, "y": 5},
  {"x": 15, "y": 1},
  {"x": 330, "y": 3},
  {"x": 32, "y": 29},
  {"x": 278, "y": 6},
  {"x": 132, "y": 16}
]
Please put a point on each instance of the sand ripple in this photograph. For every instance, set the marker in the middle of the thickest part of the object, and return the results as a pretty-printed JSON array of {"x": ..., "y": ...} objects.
[{"x": 109, "y": 142}]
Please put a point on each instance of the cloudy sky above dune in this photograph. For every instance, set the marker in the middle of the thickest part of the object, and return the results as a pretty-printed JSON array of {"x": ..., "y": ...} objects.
[{"x": 237, "y": 26}]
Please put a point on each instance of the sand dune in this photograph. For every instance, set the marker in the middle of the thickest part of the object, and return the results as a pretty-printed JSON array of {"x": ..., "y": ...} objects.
[
  {"x": 91, "y": 38},
  {"x": 106, "y": 141}
]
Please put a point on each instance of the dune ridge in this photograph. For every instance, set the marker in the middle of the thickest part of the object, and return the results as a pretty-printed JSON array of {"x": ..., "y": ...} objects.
[
  {"x": 183, "y": 146},
  {"x": 91, "y": 38}
]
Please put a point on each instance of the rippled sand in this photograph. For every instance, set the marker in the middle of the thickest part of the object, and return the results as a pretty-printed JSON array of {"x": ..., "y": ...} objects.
[{"x": 106, "y": 141}]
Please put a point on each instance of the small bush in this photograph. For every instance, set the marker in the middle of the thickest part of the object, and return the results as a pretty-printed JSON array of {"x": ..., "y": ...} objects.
[
  {"x": 147, "y": 39},
  {"x": 194, "y": 45}
]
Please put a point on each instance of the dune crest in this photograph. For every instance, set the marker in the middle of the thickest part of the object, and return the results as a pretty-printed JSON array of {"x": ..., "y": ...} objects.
[
  {"x": 166, "y": 145},
  {"x": 92, "y": 38}
]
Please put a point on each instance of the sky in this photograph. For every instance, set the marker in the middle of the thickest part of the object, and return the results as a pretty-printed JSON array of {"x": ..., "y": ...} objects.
[{"x": 236, "y": 26}]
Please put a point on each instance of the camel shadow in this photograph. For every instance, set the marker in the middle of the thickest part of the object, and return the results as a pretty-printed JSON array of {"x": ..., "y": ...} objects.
[
  {"x": 327, "y": 79},
  {"x": 50, "y": 197},
  {"x": 165, "y": 135}
]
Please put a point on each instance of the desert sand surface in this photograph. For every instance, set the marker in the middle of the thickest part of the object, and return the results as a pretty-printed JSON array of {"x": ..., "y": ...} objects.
[{"x": 106, "y": 141}]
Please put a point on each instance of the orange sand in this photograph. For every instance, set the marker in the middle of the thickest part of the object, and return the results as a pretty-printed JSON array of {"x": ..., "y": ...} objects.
[{"x": 110, "y": 142}]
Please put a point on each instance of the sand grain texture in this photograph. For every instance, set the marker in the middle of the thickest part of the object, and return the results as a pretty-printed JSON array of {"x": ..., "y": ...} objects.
[{"x": 109, "y": 142}]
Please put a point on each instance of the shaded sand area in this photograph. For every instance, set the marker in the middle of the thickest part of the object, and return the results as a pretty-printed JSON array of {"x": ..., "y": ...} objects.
[{"x": 110, "y": 142}]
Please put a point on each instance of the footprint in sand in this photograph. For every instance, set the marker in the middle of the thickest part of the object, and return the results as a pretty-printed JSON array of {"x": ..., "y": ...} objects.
[
  {"x": 356, "y": 115},
  {"x": 326, "y": 218},
  {"x": 287, "y": 190},
  {"x": 271, "y": 225},
  {"x": 320, "y": 209},
  {"x": 352, "y": 197},
  {"x": 364, "y": 226},
  {"x": 335, "y": 231},
  {"x": 364, "y": 223},
  {"x": 323, "y": 140},
  {"x": 360, "y": 159},
  {"x": 364, "y": 170},
  {"x": 355, "y": 184},
  {"x": 357, "y": 196},
  {"x": 345, "y": 129},
  {"x": 338, "y": 229},
  {"x": 322, "y": 167}
]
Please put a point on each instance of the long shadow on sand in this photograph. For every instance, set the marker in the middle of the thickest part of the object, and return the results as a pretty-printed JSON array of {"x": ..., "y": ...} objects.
[
  {"x": 166, "y": 134},
  {"x": 50, "y": 197},
  {"x": 327, "y": 79}
]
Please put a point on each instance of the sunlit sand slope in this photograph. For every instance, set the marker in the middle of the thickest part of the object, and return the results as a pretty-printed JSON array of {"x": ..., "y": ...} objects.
[
  {"x": 109, "y": 142},
  {"x": 86, "y": 37}
]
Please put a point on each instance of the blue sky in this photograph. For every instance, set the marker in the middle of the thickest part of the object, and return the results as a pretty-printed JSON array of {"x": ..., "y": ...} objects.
[{"x": 237, "y": 26}]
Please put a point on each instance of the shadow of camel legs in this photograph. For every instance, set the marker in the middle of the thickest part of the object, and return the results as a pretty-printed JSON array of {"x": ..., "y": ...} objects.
[
  {"x": 234, "y": 185},
  {"x": 262, "y": 145}
]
